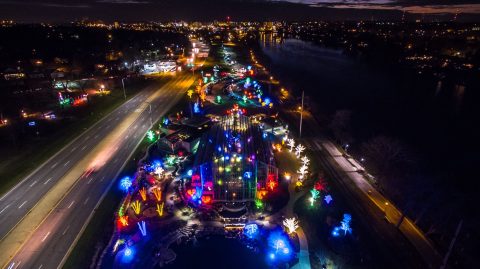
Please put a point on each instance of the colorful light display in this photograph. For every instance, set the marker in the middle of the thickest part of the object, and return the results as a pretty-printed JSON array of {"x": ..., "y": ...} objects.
[
  {"x": 191, "y": 192},
  {"x": 305, "y": 160},
  {"x": 123, "y": 220},
  {"x": 299, "y": 149},
  {"x": 315, "y": 195},
  {"x": 258, "y": 204},
  {"x": 302, "y": 171},
  {"x": 160, "y": 209},
  {"x": 206, "y": 199},
  {"x": 136, "y": 207},
  {"x": 150, "y": 135},
  {"x": 142, "y": 228},
  {"x": 279, "y": 248},
  {"x": 291, "y": 224},
  {"x": 328, "y": 199},
  {"x": 157, "y": 193},
  {"x": 127, "y": 254},
  {"x": 320, "y": 185},
  {"x": 251, "y": 230},
  {"x": 118, "y": 243},
  {"x": 272, "y": 184},
  {"x": 125, "y": 184},
  {"x": 344, "y": 226},
  {"x": 196, "y": 108},
  {"x": 291, "y": 144},
  {"x": 143, "y": 194}
]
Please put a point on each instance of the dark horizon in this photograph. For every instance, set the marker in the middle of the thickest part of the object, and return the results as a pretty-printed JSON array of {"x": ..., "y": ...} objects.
[{"x": 237, "y": 10}]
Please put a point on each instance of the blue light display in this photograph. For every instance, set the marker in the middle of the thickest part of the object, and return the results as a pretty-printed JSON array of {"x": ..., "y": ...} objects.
[
  {"x": 328, "y": 199},
  {"x": 196, "y": 108},
  {"x": 279, "y": 247},
  {"x": 344, "y": 226},
  {"x": 142, "y": 228},
  {"x": 251, "y": 230},
  {"x": 125, "y": 184},
  {"x": 127, "y": 255}
]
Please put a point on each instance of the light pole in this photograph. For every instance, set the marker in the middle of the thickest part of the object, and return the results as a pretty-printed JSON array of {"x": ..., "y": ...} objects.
[
  {"x": 301, "y": 117},
  {"x": 123, "y": 86},
  {"x": 150, "y": 112}
]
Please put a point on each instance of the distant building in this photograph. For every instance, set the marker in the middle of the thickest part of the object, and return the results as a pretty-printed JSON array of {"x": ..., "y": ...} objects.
[{"x": 159, "y": 66}]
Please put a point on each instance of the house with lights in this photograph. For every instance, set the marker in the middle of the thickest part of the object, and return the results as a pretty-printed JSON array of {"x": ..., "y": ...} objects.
[{"x": 234, "y": 163}]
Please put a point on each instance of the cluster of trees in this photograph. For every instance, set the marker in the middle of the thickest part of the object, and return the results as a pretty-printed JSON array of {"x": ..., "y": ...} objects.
[{"x": 427, "y": 194}]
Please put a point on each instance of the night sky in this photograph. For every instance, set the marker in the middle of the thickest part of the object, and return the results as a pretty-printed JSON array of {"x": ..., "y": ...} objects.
[{"x": 207, "y": 10}]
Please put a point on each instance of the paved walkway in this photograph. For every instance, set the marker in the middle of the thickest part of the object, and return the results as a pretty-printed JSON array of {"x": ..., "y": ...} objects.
[{"x": 303, "y": 255}]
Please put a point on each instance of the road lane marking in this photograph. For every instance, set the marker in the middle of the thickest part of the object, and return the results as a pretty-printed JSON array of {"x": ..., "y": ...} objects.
[
  {"x": 53, "y": 166},
  {"x": 86, "y": 200},
  {"x": 66, "y": 163},
  {"x": 73, "y": 149},
  {"x": 46, "y": 181},
  {"x": 71, "y": 204},
  {"x": 24, "y": 202},
  {"x": 86, "y": 138},
  {"x": 115, "y": 161},
  {"x": 84, "y": 147},
  {"x": 40, "y": 267},
  {"x": 90, "y": 180},
  {"x": 5, "y": 195},
  {"x": 33, "y": 184},
  {"x": 4, "y": 208},
  {"x": 13, "y": 264},
  {"x": 64, "y": 232},
  {"x": 102, "y": 178},
  {"x": 95, "y": 137},
  {"x": 45, "y": 237},
  {"x": 135, "y": 127}
]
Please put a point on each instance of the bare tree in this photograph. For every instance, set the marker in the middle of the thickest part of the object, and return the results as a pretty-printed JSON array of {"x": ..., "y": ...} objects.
[
  {"x": 387, "y": 153},
  {"x": 340, "y": 126}
]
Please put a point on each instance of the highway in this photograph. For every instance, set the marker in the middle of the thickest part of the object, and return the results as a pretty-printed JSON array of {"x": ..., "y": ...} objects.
[{"x": 42, "y": 216}]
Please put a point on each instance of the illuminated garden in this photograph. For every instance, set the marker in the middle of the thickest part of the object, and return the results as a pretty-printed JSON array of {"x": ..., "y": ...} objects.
[{"x": 225, "y": 170}]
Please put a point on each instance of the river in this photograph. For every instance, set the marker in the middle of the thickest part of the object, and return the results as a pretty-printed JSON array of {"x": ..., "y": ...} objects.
[{"x": 432, "y": 117}]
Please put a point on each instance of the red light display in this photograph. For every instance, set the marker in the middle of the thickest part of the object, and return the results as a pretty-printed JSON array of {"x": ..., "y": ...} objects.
[
  {"x": 191, "y": 192},
  {"x": 207, "y": 199}
]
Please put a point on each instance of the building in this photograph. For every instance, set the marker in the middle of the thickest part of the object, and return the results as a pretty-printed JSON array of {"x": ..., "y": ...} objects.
[{"x": 234, "y": 163}]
